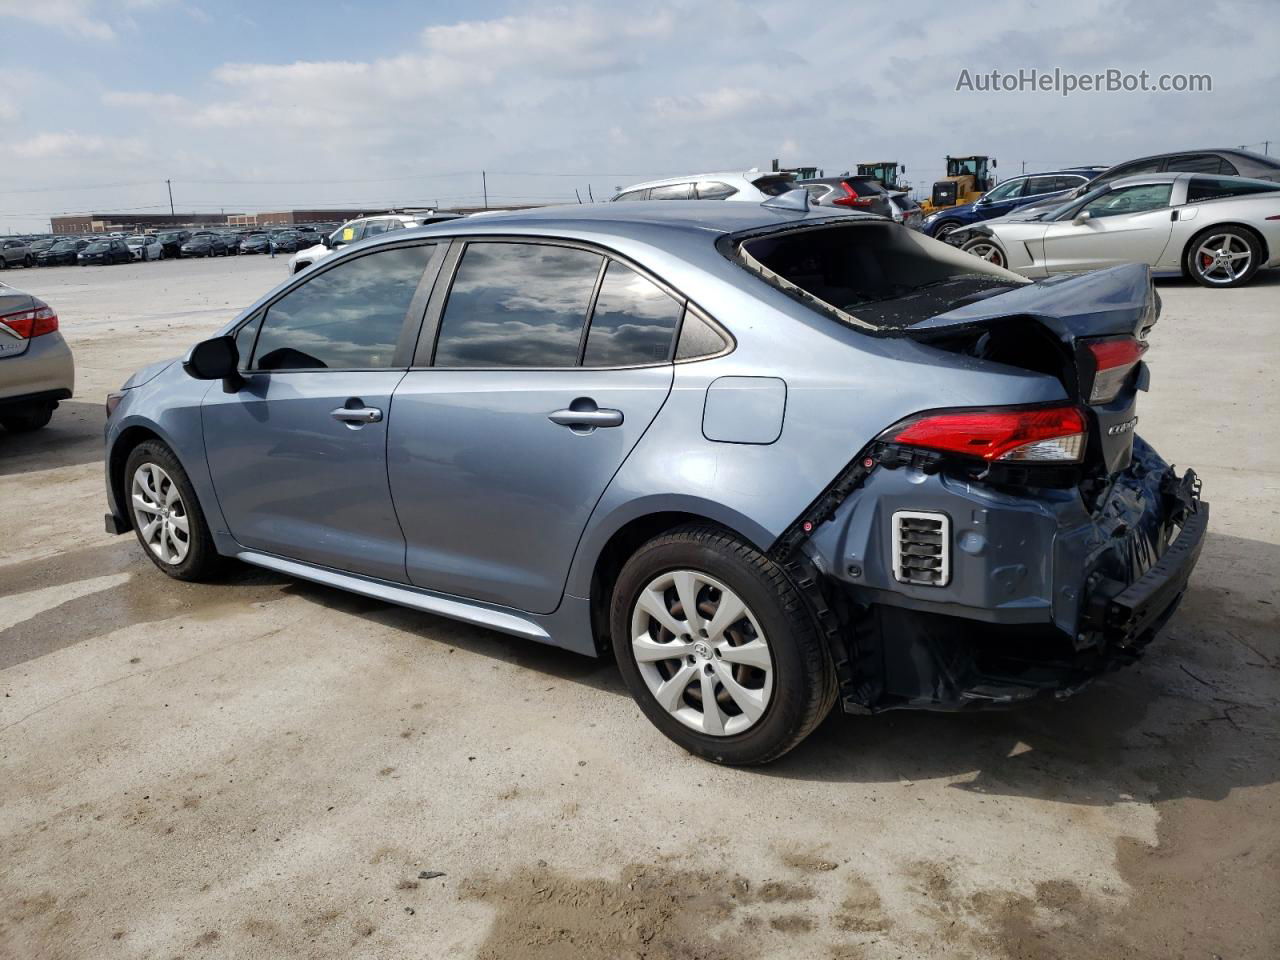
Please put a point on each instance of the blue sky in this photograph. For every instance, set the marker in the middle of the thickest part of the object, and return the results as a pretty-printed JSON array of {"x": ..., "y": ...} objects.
[{"x": 266, "y": 105}]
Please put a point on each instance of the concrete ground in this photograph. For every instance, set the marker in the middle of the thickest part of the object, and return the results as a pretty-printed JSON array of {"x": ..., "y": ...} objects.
[{"x": 267, "y": 768}]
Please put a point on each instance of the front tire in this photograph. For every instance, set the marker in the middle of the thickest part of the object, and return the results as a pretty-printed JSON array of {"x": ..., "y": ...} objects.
[
  {"x": 718, "y": 648},
  {"x": 1223, "y": 257},
  {"x": 166, "y": 515},
  {"x": 984, "y": 248},
  {"x": 945, "y": 229}
]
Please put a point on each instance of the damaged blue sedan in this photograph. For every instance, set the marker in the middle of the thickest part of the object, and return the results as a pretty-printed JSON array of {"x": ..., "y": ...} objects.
[{"x": 770, "y": 459}]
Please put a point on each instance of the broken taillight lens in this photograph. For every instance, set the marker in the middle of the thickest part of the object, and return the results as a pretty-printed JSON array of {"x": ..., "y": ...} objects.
[
  {"x": 31, "y": 323},
  {"x": 1039, "y": 435},
  {"x": 1113, "y": 361}
]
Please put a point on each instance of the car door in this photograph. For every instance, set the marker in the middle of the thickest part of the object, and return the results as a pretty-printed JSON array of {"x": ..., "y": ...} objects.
[
  {"x": 1001, "y": 199},
  {"x": 1125, "y": 225},
  {"x": 298, "y": 453},
  {"x": 518, "y": 413}
]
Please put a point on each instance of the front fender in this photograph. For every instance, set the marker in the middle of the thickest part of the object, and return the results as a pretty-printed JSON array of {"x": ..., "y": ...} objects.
[{"x": 168, "y": 407}]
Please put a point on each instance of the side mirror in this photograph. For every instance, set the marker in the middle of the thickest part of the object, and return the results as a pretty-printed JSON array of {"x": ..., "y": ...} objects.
[
  {"x": 216, "y": 359},
  {"x": 1081, "y": 217},
  {"x": 324, "y": 238}
]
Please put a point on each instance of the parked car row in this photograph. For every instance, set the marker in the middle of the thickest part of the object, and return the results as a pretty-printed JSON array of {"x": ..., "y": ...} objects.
[
  {"x": 1210, "y": 215},
  {"x": 161, "y": 245}
]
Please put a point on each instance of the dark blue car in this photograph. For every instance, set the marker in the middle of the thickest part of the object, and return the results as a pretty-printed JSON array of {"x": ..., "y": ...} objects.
[{"x": 1007, "y": 196}]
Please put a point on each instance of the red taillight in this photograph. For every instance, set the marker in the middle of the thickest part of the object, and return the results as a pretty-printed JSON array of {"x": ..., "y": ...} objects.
[
  {"x": 1113, "y": 359},
  {"x": 1053, "y": 435},
  {"x": 31, "y": 323},
  {"x": 851, "y": 198}
]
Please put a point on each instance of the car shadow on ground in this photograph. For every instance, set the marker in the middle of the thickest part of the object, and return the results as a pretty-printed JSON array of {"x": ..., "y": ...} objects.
[
  {"x": 73, "y": 437},
  {"x": 1263, "y": 278},
  {"x": 1197, "y": 717}
]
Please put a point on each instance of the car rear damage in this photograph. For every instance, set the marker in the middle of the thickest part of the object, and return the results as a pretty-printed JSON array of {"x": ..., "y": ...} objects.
[{"x": 985, "y": 556}]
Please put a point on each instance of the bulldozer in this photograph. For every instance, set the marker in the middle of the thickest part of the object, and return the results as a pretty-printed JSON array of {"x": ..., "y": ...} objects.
[
  {"x": 968, "y": 178},
  {"x": 887, "y": 172}
]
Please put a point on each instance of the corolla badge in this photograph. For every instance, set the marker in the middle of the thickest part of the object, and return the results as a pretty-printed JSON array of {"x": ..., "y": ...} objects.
[{"x": 1126, "y": 426}]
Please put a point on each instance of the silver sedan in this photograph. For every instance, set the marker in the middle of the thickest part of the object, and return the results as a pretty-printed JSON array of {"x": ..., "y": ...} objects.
[{"x": 1217, "y": 230}]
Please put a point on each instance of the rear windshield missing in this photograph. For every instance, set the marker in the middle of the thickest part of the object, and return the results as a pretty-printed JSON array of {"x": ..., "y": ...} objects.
[{"x": 870, "y": 274}]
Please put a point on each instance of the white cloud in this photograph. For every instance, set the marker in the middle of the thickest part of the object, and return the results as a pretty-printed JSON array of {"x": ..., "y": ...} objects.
[
  {"x": 76, "y": 17},
  {"x": 50, "y": 146},
  {"x": 143, "y": 99}
]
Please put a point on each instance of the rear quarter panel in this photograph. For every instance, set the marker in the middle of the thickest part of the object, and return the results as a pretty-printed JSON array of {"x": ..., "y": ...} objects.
[{"x": 843, "y": 388}]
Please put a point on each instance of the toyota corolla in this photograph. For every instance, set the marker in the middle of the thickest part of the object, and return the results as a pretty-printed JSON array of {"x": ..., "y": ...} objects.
[{"x": 769, "y": 458}]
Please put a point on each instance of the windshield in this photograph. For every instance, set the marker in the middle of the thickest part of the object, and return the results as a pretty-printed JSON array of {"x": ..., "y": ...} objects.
[
  {"x": 139, "y": 241},
  {"x": 97, "y": 247},
  {"x": 62, "y": 245}
]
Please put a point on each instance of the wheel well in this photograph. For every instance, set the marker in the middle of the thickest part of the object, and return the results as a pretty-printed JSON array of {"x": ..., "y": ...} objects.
[
  {"x": 128, "y": 439},
  {"x": 1262, "y": 243},
  {"x": 624, "y": 542}
]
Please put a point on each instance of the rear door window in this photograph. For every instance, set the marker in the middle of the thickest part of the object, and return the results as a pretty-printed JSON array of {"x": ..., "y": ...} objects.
[
  {"x": 1199, "y": 163},
  {"x": 714, "y": 190},
  {"x": 672, "y": 191},
  {"x": 1039, "y": 185},
  {"x": 634, "y": 321},
  {"x": 348, "y": 317},
  {"x": 517, "y": 305}
]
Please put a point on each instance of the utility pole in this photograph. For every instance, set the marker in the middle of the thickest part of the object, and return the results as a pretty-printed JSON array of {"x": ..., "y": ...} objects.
[
  {"x": 484, "y": 185},
  {"x": 169, "y": 184},
  {"x": 1024, "y": 166}
]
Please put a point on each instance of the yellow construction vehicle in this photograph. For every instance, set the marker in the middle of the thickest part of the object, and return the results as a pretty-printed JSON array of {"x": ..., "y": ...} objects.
[
  {"x": 968, "y": 178},
  {"x": 887, "y": 172}
]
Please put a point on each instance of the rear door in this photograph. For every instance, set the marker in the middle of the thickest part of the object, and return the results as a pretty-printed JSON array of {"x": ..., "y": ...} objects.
[
  {"x": 518, "y": 412},
  {"x": 1128, "y": 225},
  {"x": 298, "y": 453}
]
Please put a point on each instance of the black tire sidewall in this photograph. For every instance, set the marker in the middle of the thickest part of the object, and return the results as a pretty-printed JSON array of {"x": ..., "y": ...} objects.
[
  {"x": 787, "y": 627},
  {"x": 1255, "y": 263},
  {"x": 202, "y": 558}
]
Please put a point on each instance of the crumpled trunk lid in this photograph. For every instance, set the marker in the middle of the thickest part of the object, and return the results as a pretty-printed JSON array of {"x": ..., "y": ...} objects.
[{"x": 1073, "y": 310}]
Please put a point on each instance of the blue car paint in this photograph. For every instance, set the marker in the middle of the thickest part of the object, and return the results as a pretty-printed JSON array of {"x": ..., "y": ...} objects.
[
  {"x": 965, "y": 214},
  {"x": 842, "y": 388}
]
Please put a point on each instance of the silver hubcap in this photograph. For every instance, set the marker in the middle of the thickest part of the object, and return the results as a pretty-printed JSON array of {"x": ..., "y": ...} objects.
[
  {"x": 702, "y": 653},
  {"x": 987, "y": 251},
  {"x": 1223, "y": 258},
  {"x": 159, "y": 513}
]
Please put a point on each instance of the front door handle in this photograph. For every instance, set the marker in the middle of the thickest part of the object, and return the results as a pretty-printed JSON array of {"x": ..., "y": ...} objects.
[
  {"x": 584, "y": 415},
  {"x": 357, "y": 414}
]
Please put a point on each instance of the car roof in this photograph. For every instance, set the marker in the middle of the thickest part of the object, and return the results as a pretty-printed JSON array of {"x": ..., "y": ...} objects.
[
  {"x": 641, "y": 216},
  {"x": 749, "y": 176}
]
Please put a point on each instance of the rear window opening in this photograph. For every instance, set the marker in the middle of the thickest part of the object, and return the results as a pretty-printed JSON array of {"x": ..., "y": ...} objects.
[{"x": 872, "y": 275}]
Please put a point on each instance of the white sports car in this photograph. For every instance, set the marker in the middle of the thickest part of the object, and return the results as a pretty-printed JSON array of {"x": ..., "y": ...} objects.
[{"x": 1217, "y": 230}]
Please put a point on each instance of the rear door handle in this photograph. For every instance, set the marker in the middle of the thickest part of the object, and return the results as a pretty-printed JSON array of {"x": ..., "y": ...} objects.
[
  {"x": 357, "y": 414},
  {"x": 583, "y": 413}
]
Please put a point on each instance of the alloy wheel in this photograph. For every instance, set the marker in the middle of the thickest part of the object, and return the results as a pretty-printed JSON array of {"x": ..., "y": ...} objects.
[
  {"x": 701, "y": 653},
  {"x": 985, "y": 250},
  {"x": 1223, "y": 258},
  {"x": 160, "y": 514}
]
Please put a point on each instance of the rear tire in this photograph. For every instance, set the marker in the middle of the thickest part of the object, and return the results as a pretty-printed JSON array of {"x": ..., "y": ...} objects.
[
  {"x": 766, "y": 671},
  {"x": 25, "y": 421},
  {"x": 161, "y": 501},
  {"x": 1223, "y": 257}
]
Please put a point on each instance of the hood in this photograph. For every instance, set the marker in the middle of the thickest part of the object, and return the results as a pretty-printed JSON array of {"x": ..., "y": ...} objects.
[{"x": 147, "y": 373}]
